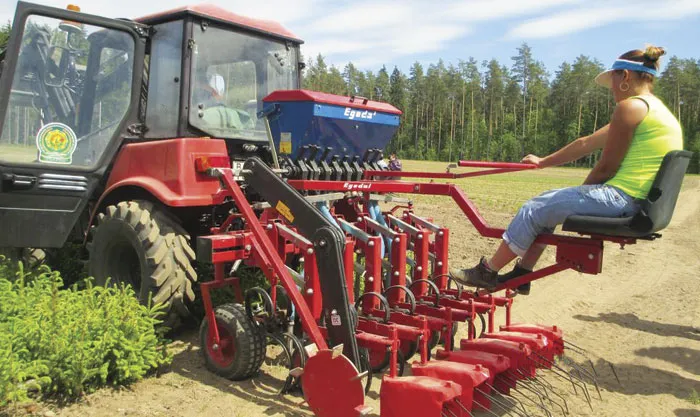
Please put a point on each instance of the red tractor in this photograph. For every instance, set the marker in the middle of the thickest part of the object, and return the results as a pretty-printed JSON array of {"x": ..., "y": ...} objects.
[
  {"x": 103, "y": 120},
  {"x": 183, "y": 137}
]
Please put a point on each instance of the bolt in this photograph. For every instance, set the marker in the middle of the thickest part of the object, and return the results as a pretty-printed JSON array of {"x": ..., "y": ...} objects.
[
  {"x": 420, "y": 236},
  {"x": 439, "y": 263},
  {"x": 310, "y": 291},
  {"x": 214, "y": 347},
  {"x": 405, "y": 215},
  {"x": 397, "y": 240},
  {"x": 310, "y": 251},
  {"x": 420, "y": 268},
  {"x": 590, "y": 256},
  {"x": 334, "y": 311},
  {"x": 416, "y": 188},
  {"x": 269, "y": 227},
  {"x": 322, "y": 243},
  {"x": 358, "y": 251},
  {"x": 440, "y": 233},
  {"x": 396, "y": 273},
  {"x": 248, "y": 247},
  {"x": 370, "y": 279},
  {"x": 360, "y": 218},
  {"x": 370, "y": 244}
]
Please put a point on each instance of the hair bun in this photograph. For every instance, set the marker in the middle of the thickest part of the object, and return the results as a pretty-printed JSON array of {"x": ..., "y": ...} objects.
[{"x": 653, "y": 53}]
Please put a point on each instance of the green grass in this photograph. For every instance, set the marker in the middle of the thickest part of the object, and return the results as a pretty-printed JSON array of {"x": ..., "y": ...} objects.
[
  {"x": 18, "y": 153},
  {"x": 694, "y": 397}
]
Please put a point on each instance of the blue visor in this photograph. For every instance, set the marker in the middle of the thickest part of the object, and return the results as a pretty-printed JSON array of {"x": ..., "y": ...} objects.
[{"x": 605, "y": 77}]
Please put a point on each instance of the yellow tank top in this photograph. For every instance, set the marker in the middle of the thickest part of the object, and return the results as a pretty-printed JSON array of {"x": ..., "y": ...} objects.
[{"x": 657, "y": 134}]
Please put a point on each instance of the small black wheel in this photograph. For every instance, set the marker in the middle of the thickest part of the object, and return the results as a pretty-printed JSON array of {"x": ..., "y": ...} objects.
[{"x": 241, "y": 348}]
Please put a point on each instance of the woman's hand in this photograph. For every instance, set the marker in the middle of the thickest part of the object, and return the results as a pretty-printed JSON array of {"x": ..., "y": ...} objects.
[{"x": 534, "y": 160}]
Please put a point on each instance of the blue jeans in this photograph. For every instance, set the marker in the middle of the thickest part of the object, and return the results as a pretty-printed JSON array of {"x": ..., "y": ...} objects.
[{"x": 543, "y": 213}]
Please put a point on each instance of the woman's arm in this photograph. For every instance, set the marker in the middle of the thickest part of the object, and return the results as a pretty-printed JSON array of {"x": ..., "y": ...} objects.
[
  {"x": 625, "y": 119},
  {"x": 573, "y": 151}
]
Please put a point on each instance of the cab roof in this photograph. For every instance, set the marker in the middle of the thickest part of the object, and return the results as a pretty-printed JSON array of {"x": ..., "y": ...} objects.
[{"x": 216, "y": 13}]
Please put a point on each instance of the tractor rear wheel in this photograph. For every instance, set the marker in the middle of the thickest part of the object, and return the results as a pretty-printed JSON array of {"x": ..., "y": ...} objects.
[
  {"x": 136, "y": 243},
  {"x": 241, "y": 348}
]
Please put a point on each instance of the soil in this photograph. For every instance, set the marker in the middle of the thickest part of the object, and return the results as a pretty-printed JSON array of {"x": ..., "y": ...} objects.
[{"x": 641, "y": 314}]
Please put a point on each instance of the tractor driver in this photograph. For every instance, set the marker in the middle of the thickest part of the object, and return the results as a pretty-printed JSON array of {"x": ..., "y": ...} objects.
[
  {"x": 209, "y": 89},
  {"x": 641, "y": 132}
]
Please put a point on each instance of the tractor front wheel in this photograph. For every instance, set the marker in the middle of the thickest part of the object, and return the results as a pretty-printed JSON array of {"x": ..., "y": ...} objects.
[
  {"x": 241, "y": 348},
  {"x": 136, "y": 243}
]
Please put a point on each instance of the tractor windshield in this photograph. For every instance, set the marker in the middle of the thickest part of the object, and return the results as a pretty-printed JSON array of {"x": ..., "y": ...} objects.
[
  {"x": 231, "y": 73},
  {"x": 70, "y": 91}
]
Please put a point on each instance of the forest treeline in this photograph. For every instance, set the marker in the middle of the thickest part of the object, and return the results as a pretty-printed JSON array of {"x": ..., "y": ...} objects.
[{"x": 499, "y": 111}]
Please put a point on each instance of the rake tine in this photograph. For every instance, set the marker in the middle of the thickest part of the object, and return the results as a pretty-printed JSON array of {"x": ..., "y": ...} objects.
[
  {"x": 614, "y": 372},
  {"x": 531, "y": 384},
  {"x": 593, "y": 366},
  {"x": 463, "y": 407},
  {"x": 551, "y": 401},
  {"x": 446, "y": 410},
  {"x": 580, "y": 369},
  {"x": 536, "y": 381},
  {"x": 509, "y": 397},
  {"x": 547, "y": 412},
  {"x": 554, "y": 391},
  {"x": 529, "y": 387},
  {"x": 581, "y": 372},
  {"x": 485, "y": 409},
  {"x": 585, "y": 353},
  {"x": 497, "y": 402},
  {"x": 591, "y": 377},
  {"x": 571, "y": 376}
]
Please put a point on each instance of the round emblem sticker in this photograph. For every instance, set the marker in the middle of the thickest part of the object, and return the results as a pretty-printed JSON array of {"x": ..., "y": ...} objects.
[{"x": 56, "y": 143}]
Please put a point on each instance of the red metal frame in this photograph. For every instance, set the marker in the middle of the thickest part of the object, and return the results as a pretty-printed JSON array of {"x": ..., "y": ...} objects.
[
  {"x": 265, "y": 252},
  {"x": 583, "y": 254}
]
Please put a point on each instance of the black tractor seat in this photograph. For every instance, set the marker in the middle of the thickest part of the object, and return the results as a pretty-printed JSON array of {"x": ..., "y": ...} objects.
[{"x": 656, "y": 210}]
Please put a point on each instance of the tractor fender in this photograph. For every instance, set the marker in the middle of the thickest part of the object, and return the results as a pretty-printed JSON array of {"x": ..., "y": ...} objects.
[{"x": 165, "y": 170}]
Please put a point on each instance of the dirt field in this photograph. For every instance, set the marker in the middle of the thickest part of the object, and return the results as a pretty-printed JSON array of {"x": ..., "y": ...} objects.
[{"x": 642, "y": 314}]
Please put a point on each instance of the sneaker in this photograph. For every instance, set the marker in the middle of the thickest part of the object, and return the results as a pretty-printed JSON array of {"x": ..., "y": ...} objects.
[
  {"x": 517, "y": 271},
  {"x": 480, "y": 276}
]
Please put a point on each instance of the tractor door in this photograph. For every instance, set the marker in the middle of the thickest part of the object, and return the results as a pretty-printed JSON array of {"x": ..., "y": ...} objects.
[{"x": 69, "y": 93}]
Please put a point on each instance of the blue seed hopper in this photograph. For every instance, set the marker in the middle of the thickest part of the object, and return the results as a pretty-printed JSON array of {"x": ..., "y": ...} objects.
[{"x": 349, "y": 125}]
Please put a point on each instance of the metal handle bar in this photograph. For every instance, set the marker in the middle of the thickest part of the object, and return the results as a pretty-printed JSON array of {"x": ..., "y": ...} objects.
[{"x": 503, "y": 165}]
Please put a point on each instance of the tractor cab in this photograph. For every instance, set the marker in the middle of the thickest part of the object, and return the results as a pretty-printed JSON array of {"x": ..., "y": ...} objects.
[
  {"x": 209, "y": 70},
  {"x": 76, "y": 88}
]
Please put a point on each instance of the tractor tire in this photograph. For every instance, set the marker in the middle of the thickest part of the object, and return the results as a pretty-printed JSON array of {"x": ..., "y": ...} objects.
[
  {"x": 241, "y": 348},
  {"x": 136, "y": 243}
]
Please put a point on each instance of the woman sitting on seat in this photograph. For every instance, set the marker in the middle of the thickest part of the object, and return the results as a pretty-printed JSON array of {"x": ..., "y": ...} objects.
[{"x": 641, "y": 131}]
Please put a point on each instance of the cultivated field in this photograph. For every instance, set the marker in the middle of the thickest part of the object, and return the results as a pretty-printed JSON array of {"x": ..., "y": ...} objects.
[{"x": 642, "y": 314}]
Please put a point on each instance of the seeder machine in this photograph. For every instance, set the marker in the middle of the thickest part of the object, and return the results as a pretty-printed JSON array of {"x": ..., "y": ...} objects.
[{"x": 356, "y": 289}]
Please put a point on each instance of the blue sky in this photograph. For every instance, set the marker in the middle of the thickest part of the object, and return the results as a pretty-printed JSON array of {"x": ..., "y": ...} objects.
[{"x": 373, "y": 33}]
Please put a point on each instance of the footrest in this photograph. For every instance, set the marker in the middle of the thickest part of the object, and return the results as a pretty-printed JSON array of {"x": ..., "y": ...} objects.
[
  {"x": 416, "y": 396},
  {"x": 553, "y": 333},
  {"x": 467, "y": 376}
]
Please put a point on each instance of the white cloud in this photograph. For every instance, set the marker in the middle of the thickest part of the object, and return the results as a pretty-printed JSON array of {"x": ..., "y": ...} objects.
[
  {"x": 373, "y": 32},
  {"x": 279, "y": 10},
  {"x": 482, "y": 10},
  {"x": 380, "y": 31},
  {"x": 596, "y": 14},
  {"x": 565, "y": 22}
]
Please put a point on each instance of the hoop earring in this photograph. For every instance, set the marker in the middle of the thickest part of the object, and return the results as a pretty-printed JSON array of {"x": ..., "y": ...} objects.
[{"x": 624, "y": 86}]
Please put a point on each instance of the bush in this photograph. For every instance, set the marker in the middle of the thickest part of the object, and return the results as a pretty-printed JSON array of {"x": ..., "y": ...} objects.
[{"x": 63, "y": 343}]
